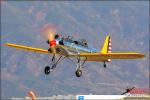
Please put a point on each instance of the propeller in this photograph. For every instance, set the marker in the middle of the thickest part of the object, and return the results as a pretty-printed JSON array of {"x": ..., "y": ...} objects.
[
  {"x": 52, "y": 42},
  {"x": 49, "y": 32}
]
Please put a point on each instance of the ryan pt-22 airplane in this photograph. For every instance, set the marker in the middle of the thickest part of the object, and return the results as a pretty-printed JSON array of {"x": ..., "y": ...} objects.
[{"x": 67, "y": 47}]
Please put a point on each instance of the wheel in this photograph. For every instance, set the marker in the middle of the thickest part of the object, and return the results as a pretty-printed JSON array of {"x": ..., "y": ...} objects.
[
  {"x": 47, "y": 70},
  {"x": 78, "y": 73}
]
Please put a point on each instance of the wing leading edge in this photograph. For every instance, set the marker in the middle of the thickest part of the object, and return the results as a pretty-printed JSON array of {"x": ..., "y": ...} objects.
[
  {"x": 28, "y": 48},
  {"x": 105, "y": 57}
]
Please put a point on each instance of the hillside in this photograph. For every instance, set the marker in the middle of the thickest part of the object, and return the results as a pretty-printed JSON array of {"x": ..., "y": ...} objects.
[{"x": 21, "y": 22}]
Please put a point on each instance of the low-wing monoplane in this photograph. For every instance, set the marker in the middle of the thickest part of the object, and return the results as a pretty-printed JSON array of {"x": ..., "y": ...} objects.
[{"x": 67, "y": 47}]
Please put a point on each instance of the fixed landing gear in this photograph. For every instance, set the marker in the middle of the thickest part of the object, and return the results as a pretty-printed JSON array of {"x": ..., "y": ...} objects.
[
  {"x": 48, "y": 69},
  {"x": 78, "y": 72}
]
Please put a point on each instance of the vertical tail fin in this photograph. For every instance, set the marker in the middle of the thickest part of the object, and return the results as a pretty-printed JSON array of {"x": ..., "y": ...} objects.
[{"x": 107, "y": 46}]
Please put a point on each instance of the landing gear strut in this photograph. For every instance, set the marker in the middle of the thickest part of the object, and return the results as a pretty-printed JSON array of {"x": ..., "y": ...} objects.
[
  {"x": 78, "y": 71},
  {"x": 48, "y": 69}
]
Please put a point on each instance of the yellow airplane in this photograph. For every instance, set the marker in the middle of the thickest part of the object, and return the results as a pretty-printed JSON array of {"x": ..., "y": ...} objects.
[{"x": 67, "y": 47}]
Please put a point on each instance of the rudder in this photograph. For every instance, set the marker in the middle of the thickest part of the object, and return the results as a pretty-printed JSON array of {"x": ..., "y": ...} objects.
[{"x": 107, "y": 46}]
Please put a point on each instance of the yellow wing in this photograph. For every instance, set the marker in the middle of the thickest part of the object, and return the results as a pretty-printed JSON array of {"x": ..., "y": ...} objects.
[
  {"x": 104, "y": 57},
  {"x": 36, "y": 50}
]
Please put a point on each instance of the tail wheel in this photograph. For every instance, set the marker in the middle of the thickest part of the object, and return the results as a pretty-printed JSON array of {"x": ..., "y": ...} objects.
[
  {"x": 78, "y": 72},
  {"x": 47, "y": 70},
  {"x": 104, "y": 65}
]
